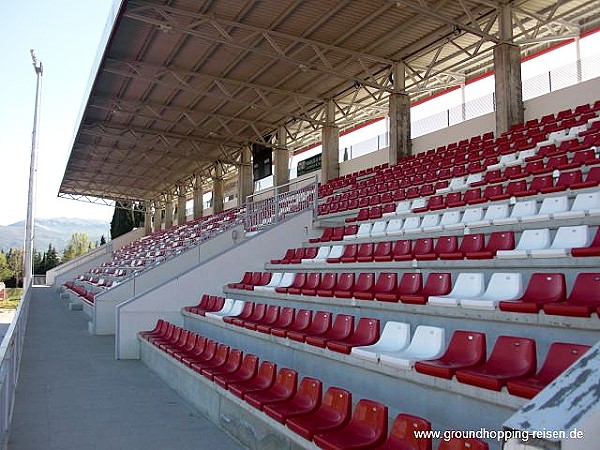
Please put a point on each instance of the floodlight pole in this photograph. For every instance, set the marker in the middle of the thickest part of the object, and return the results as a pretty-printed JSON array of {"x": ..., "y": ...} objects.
[{"x": 29, "y": 227}]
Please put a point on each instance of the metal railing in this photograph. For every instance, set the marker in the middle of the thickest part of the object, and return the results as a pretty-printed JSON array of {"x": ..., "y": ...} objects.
[
  {"x": 273, "y": 205},
  {"x": 10, "y": 359}
]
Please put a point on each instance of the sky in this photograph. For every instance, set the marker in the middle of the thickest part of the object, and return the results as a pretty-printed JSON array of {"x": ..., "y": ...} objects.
[{"x": 66, "y": 36}]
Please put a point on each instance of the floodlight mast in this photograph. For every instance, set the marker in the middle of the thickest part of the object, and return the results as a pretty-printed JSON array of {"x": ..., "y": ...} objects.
[{"x": 29, "y": 227}]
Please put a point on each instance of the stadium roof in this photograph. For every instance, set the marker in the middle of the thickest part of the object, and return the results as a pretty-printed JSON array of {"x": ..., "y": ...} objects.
[{"x": 184, "y": 83}]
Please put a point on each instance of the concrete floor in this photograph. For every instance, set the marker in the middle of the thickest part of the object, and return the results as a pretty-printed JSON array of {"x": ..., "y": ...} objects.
[{"x": 73, "y": 394}]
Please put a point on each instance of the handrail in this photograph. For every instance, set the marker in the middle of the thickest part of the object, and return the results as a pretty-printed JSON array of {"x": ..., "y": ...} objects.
[{"x": 10, "y": 359}]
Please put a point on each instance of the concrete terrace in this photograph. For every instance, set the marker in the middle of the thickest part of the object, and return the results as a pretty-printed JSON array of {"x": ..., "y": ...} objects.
[{"x": 73, "y": 394}]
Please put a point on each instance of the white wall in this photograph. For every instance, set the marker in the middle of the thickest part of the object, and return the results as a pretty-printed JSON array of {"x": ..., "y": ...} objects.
[{"x": 166, "y": 301}]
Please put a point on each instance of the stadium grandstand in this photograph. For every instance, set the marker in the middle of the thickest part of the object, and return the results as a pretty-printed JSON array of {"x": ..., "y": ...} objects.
[{"x": 439, "y": 290}]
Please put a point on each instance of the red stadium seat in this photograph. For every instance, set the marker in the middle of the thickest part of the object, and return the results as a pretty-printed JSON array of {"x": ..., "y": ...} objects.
[
  {"x": 270, "y": 317},
  {"x": 257, "y": 313},
  {"x": 436, "y": 284},
  {"x": 233, "y": 363},
  {"x": 559, "y": 357},
  {"x": 301, "y": 322},
  {"x": 313, "y": 280},
  {"x": 333, "y": 413},
  {"x": 383, "y": 251},
  {"x": 284, "y": 319},
  {"x": 512, "y": 357},
  {"x": 444, "y": 244},
  {"x": 343, "y": 287},
  {"x": 246, "y": 312},
  {"x": 465, "y": 349},
  {"x": 386, "y": 283},
  {"x": 410, "y": 284},
  {"x": 583, "y": 299},
  {"x": 306, "y": 400},
  {"x": 296, "y": 286},
  {"x": 367, "y": 428},
  {"x": 403, "y": 434},
  {"x": 205, "y": 354},
  {"x": 263, "y": 379},
  {"x": 591, "y": 250},
  {"x": 366, "y": 333},
  {"x": 343, "y": 327},
  {"x": 422, "y": 246},
  {"x": 192, "y": 350},
  {"x": 320, "y": 324},
  {"x": 592, "y": 179},
  {"x": 542, "y": 288},
  {"x": 219, "y": 358},
  {"x": 498, "y": 240},
  {"x": 282, "y": 389},
  {"x": 470, "y": 243}
]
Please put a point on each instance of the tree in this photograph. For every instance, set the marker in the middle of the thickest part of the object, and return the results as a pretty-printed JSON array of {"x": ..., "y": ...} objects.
[
  {"x": 52, "y": 259},
  {"x": 78, "y": 245},
  {"x": 122, "y": 221},
  {"x": 14, "y": 259},
  {"x": 39, "y": 262},
  {"x": 5, "y": 272}
]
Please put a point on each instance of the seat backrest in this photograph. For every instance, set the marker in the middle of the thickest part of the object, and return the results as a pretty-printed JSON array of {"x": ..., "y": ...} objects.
[
  {"x": 287, "y": 279},
  {"x": 560, "y": 356},
  {"x": 553, "y": 205},
  {"x": 450, "y": 217},
  {"x": 402, "y": 247},
  {"x": 423, "y": 246},
  {"x": 496, "y": 212},
  {"x": 430, "y": 220},
  {"x": 410, "y": 283},
  {"x": 404, "y": 431},
  {"x": 468, "y": 285},
  {"x": 338, "y": 400},
  {"x": 365, "y": 249},
  {"x": 379, "y": 227},
  {"x": 586, "y": 289},
  {"x": 418, "y": 203},
  {"x": 545, "y": 287},
  {"x": 472, "y": 243},
  {"x": 394, "y": 225},
  {"x": 411, "y": 223},
  {"x": 310, "y": 391},
  {"x": 323, "y": 252},
  {"x": 367, "y": 328},
  {"x": 504, "y": 286},
  {"x": 403, "y": 206},
  {"x": 524, "y": 209},
  {"x": 586, "y": 201},
  {"x": 534, "y": 239},
  {"x": 571, "y": 237},
  {"x": 364, "y": 230},
  {"x": 467, "y": 347},
  {"x": 426, "y": 339},
  {"x": 321, "y": 322},
  {"x": 345, "y": 281},
  {"x": 336, "y": 251},
  {"x": 513, "y": 352},
  {"x": 541, "y": 182},
  {"x": 386, "y": 282},
  {"x": 446, "y": 244},
  {"x": 438, "y": 283},
  {"x": 373, "y": 415},
  {"x": 501, "y": 240},
  {"x": 397, "y": 333}
]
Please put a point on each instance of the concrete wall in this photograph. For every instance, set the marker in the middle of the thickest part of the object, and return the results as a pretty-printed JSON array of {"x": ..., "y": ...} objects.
[
  {"x": 375, "y": 158},
  {"x": 166, "y": 300}
]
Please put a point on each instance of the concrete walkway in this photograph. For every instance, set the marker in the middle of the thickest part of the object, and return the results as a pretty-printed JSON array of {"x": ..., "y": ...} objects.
[{"x": 72, "y": 394}]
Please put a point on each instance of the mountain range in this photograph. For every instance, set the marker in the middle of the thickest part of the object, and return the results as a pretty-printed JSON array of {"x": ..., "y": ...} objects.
[{"x": 56, "y": 231}]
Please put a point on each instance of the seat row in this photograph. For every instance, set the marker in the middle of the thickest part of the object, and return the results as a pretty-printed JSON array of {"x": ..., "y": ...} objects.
[
  {"x": 544, "y": 291},
  {"x": 326, "y": 419},
  {"x": 573, "y": 241},
  {"x": 512, "y": 360}
]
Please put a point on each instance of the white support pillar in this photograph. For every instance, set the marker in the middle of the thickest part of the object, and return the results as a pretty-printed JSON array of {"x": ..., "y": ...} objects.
[
  {"x": 148, "y": 217},
  {"x": 157, "y": 215},
  {"x": 399, "y": 111},
  {"x": 168, "y": 211},
  {"x": 218, "y": 188},
  {"x": 281, "y": 158},
  {"x": 507, "y": 68},
  {"x": 330, "y": 167},
  {"x": 198, "y": 198},
  {"x": 181, "y": 201},
  {"x": 245, "y": 179}
]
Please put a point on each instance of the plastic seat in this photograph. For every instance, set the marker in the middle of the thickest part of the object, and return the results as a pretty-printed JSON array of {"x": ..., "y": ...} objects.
[
  {"x": 427, "y": 343},
  {"x": 325, "y": 236},
  {"x": 394, "y": 227},
  {"x": 321, "y": 256},
  {"x": 335, "y": 254},
  {"x": 320, "y": 324},
  {"x": 463, "y": 444},
  {"x": 565, "y": 239},
  {"x": 383, "y": 251},
  {"x": 410, "y": 283},
  {"x": 469, "y": 216},
  {"x": 583, "y": 299},
  {"x": 333, "y": 413},
  {"x": 560, "y": 356},
  {"x": 394, "y": 337},
  {"x": 312, "y": 282},
  {"x": 366, "y": 333},
  {"x": 233, "y": 363},
  {"x": 301, "y": 322},
  {"x": 367, "y": 428},
  {"x": 228, "y": 305},
  {"x": 530, "y": 240},
  {"x": 364, "y": 252},
  {"x": 305, "y": 401},
  {"x": 550, "y": 206},
  {"x": 282, "y": 389},
  {"x": 512, "y": 357},
  {"x": 593, "y": 249},
  {"x": 520, "y": 210},
  {"x": 342, "y": 328},
  {"x": 444, "y": 244},
  {"x": 467, "y": 286},
  {"x": 448, "y": 218},
  {"x": 284, "y": 280},
  {"x": 258, "y": 313},
  {"x": 412, "y": 225},
  {"x": 263, "y": 379},
  {"x": 204, "y": 351},
  {"x": 218, "y": 359},
  {"x": 542, "y": 288},
  {"x": 270, "y": 317},
  {"x": 429, "y": 221},
  {"x": 378, "y": 229},
  {"x": 465, "y": 349},
  {"x": 585, "y": 204},
  {"x": 364, "y": 231},
  {"x": 343, "y": 287},
  {"x": 501, "y": 287},
  {"x": 386, "y": 283},
  {"x": 499, "y": 240},
  {"x": 421, "y": 246},
  {"x": 493, "y": 212},
  {"x": 436, "y": 284},
  {"x": 470, "y": 243},
  {"x": 403, "y": 434}
]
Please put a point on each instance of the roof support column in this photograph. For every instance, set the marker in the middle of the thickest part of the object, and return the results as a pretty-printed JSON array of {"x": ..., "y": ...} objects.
[
  {"x": 198, "y": 198},
  {"x": 507, "y": 67},
  {"x": 168, "y": 211},
  {"x": 218, "y": 188},
  {"x": 330, "y": 166},
  {"x": 157, "y": 215},
  {"x": 399, "y": 111},
  {"x": 148, "y": 217},
  {"x": 181, "y": 201},
  {"x": 245, "y": 180},
  {"x": 281, "y": 158}
]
